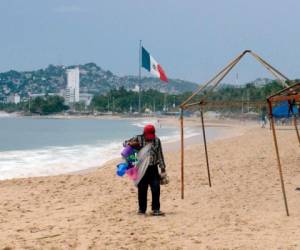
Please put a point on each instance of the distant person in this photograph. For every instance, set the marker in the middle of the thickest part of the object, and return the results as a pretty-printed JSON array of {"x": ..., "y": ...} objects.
[
  {"x": 263, "y": 121},
  {"x": 152, "y": 177},
  {"x": 283, "y": 121},
  {"x": 263, "y": 117},
  {"x": 158, "y": 123}
]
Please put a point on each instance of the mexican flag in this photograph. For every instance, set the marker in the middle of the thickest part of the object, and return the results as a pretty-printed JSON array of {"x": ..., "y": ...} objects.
[{"x": 150, "y": 64}]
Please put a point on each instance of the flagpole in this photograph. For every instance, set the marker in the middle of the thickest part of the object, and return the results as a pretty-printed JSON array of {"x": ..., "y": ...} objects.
[{"x": 140, "y": 64}]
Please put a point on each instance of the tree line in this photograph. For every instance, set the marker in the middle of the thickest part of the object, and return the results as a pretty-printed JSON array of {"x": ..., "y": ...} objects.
[
  {"x": 122, "y": 100},
  {"x": 39, "y": 105}
]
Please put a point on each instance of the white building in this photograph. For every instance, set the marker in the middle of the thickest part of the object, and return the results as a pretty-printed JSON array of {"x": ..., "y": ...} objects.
[
  {"x": 136, "y": 88},
  {"x": 86, "y": 98},
  {"x": 15, "y": 98},
  {"x": 72, "y": 90}
]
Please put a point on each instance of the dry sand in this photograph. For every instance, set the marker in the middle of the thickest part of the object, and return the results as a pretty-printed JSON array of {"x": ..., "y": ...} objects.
[{"x": 97, "y": 210}]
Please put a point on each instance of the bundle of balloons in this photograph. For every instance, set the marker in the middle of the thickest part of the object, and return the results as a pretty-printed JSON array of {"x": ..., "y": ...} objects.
[{"x": 128, "y": 167}]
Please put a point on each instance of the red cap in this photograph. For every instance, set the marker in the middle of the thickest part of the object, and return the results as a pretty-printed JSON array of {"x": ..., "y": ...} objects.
[{"x": 149, "y": 132}]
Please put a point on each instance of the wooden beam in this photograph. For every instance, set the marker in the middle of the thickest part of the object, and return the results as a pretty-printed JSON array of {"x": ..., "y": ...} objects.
[
  {"x": 182, "y": 154},
  {"x": 278, "y": 158},
  {"x": 224, "y": 103},
  {"x": 201, "y": 88},
  {"x": 205, "y": 147},
  {"x": 296, "y": 85},
  {"x": 271, "y": 69},
  {"x": 280, "y": 98}
]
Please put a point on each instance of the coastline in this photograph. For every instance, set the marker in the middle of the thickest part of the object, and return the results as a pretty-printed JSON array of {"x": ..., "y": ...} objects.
[
  {"x": 110, "y": 116},
  {"x": 57, "y": 160},
  {"x": 231, "y": 130}
]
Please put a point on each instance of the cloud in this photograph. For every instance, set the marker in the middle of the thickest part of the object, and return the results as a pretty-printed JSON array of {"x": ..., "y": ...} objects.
[{"x": 69, "y": 9}]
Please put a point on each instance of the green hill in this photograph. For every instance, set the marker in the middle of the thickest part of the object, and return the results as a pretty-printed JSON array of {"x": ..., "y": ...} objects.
[{"x": 93, "y": 79}]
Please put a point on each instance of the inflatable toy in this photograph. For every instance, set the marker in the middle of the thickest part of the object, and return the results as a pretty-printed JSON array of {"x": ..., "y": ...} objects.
[
  {"x": 121, "y": 169},
  {"x": 127, "y": 151},
  {"x": 132, "y": 173}
]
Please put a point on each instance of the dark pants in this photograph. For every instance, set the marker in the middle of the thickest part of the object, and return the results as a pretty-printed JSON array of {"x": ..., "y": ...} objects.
[{"x": 151, "y": 178}]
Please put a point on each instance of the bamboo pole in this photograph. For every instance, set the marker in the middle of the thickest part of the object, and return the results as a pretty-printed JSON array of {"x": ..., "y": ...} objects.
[
  {"x": 289, "y": 90},
  {"x": 278, "y": 158},
  {"x": 235, "y": 61},
  {"x": 271, "y": 69},
  {"x": 140, "y": 81},
  {"x": 205, "y": 147},
  {"x": 182, "y": 154},
  {"x": 296, "y": 128},
  {"x": 225, "y": 73},
  {"x": 210, "y": 103}
]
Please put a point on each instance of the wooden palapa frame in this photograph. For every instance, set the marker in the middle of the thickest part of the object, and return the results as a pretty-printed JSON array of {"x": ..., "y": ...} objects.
[
  {"x": 213, "y": 83},
  {"x": 291, "y": 93}
]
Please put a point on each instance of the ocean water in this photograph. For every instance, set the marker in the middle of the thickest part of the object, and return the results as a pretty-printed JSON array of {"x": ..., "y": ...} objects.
[{"x": 40, "y": 147}]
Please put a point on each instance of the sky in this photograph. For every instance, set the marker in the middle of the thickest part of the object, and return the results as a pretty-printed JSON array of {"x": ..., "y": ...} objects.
[{"x": 191, "y": 39}]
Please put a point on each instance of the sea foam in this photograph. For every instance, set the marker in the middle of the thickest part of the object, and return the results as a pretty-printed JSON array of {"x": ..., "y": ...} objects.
[{"x": 55, "y": 160}]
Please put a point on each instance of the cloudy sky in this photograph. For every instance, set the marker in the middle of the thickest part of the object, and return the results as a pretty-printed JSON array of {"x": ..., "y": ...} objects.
[{"x": 191, "y": 39}]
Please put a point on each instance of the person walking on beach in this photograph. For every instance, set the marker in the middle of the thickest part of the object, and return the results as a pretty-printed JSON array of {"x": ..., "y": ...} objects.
[
  {"x": 152, "y": 177},
  {"x": 263, "y": 117}
]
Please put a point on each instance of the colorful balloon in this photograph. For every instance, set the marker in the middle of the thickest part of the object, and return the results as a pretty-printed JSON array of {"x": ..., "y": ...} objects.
[
  {"x": 132, "y": 173},
  {"x": 121, "y": 169},
  {"x": 127, "y": 151}
]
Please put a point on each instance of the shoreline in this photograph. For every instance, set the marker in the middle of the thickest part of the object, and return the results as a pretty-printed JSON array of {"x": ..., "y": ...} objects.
[
  {"x": 173, "y": 146},
  {"x": 169, "y": 146},
  {"x": 193, "y": 135},
  {"x": 120, "y": 116}
]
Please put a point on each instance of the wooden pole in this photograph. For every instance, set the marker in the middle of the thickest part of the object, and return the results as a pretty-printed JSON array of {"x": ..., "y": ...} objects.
[
  {"x": 271, "y": 69},
  {"x": 205, "y": 147},
  {"x": 140, "y": 81},
  {"x": 202, "y": 87},
  {"x": 222, "y": 76},
  {"x": 296, "y": 128},
  {"x": 278, "y": 158},
  {"x": 182, "y": 154}
]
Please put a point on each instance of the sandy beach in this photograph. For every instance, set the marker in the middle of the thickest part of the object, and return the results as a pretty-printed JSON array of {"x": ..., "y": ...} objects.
[{"x": 97, "y": 209}]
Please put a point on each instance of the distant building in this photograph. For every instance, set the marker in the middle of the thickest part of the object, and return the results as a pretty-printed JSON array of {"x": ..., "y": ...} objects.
[
  {"x": 136, "y": 88},
  {"x": 69, "y": 96},
  {"x": 73, "y": 84},
  {"x": 15, "y": 98},
  {"x": 86, "y": 98}
]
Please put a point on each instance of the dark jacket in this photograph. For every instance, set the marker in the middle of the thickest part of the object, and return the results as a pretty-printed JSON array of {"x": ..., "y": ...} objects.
[{"x": 157, "y": 157}]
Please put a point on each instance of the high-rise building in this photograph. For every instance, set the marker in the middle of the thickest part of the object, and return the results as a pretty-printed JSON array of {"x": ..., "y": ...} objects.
[{"x": 72, "y": 91}]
